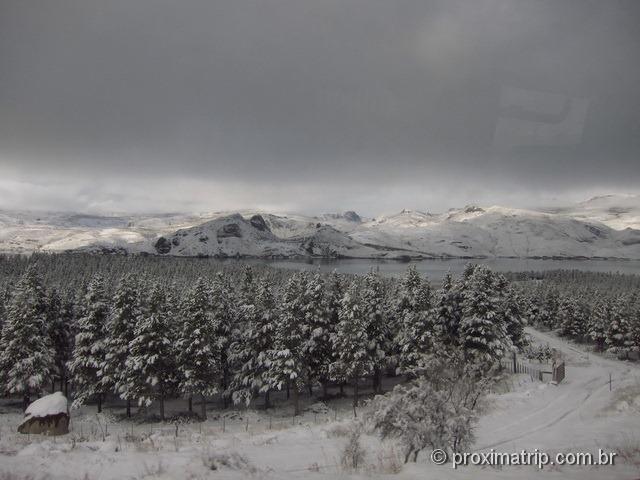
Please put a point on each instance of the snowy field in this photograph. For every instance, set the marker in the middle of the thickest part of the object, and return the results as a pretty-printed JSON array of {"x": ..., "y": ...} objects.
[{"x": 579, "y": 415}]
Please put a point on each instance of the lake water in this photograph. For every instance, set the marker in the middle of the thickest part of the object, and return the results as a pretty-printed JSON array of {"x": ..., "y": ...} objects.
[{"x": 436, "y": 269}]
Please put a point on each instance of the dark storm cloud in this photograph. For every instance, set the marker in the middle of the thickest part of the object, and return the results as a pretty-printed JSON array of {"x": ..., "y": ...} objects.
[{"x": 426, "y": 102}]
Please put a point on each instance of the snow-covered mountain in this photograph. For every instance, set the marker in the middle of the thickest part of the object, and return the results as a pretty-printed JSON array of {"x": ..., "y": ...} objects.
[
  {"x": 603, "y": 227},
  {"x": 616, "y": 211}
]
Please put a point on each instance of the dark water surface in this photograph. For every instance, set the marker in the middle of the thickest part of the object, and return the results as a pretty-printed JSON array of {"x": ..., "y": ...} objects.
[{"x": 435, "y": 269}]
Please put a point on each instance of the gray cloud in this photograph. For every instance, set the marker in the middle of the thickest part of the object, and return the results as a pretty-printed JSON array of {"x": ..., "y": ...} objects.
[{"x": 309, "y": 105}]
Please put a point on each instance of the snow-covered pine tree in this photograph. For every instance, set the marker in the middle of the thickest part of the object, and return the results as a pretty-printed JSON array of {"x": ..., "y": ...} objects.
[
  {"x": 633, "y": 314},
  {"x": 222, "y": 317},
  {"x": 350, "y": 342},
  {"x": 379, "y": 333},
  {"x": 198, "y": 360},
  {"x": 482, "y": 329},
  {"x": 246, "y": 285},
  {"x": 250, "y": 352},
  {"x": 150, "y": 368},
  {"x": 61, "y": 332},
  {"x": 599, "y": 322},
  {"x": 59, "y": 326},
  {"x": 618, "y": 338},
  {"x": 89, "y": 349},
  {"x": 531, "y": 311},
  {"x": 287, "y": 364},
  {"x": 316, "y": 345},
  {"x": 571, "y": 318},
  {"x": 414, "y": 320},
  {"x": 511, "y": 311},
  {"x": 447, "y": 313},
  {"x": 549, "y": 312},
  {"x": 27, "y": 359},
  {"x": 123, "y": 318},
  {"x": 333, "y": 293}
]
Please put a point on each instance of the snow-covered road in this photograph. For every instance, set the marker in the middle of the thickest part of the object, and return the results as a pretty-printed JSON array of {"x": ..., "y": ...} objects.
[{"x": 580, "y": 414}]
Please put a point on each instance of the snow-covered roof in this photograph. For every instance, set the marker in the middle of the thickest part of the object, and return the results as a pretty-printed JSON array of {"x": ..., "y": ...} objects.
[{"x": 48, "y": 405}]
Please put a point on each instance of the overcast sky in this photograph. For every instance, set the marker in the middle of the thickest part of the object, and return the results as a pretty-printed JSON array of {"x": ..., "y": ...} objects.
[{"x": 316, "y": 105}]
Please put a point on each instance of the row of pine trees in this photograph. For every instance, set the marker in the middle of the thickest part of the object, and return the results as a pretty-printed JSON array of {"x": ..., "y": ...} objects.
[
  {"x": 245, "y": 334},
  {"x": 609, "y": 319}
]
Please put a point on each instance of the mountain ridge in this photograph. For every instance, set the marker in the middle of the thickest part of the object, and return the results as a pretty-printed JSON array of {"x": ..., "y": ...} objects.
[{"x": 584, "y": 230}]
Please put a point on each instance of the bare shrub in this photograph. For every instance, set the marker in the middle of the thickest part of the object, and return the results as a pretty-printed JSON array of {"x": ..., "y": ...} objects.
[
  {"x": 231, "y": 461},
  {"x": 388, "y": 460},
  {"x": 153, "y": 470},
  {"x": 340, "y": 430},
  {"x": 353, "y": 454}
]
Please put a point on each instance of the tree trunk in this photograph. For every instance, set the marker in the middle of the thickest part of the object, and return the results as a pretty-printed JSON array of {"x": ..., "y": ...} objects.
[
  {"x": 267, "y": 402},
  {"x": 128, "y": 408},
  {"x": 190, "y": 404},
  {"x": 288, "y": 390},
  {"x": 26, "y": 400},
  {"x": 341, "y": 389},
  {"x": 204, "y": 407},
  {"x": 355, "y": 398},
  {"x": 325, "y": 393},
  {"x": 296, "y": 401},
  {"x": 99, "y": 403},
  {"x": 225, "y": 383},
  {"x": 162, "y": 405}
]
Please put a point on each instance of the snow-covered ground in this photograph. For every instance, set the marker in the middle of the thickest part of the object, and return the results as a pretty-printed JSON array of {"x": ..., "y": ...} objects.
[{"x": 579, "y": 415}]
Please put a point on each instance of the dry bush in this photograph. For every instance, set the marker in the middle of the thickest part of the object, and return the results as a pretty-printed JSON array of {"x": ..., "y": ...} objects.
[
  {"x": 340, "y": 430},
  {"x": 353, "y": 454},
  {"x": 231, "y": 461},
  {"x": 388, "y": 460}
]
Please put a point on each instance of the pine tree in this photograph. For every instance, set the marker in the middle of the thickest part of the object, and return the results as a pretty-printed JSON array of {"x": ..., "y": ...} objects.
[
  {"x": 482, "y": 328},
  {"x": 333, "y": 293},
  {"x": 89, "y": 350},
  {"x": 287, "y": 364},
  {"x": 415, "y": 321},
  {"x": 222, "y": 317},
  {"x": 27, "y": 359},
  {"x": 511, "y": 312},
  {"x": 380, "y": 336},
  {"x": 572, "y": 318},
  {"x": 598, "y": 324},
  {"x": 150, "y": 371},
  {"x": 618, "y": 338},
  {"x": 198, "y": 359},
  {"x": 350, "y": 342},
  {"x": 60, "y": 324},
  {"x": 250, "y": 353},
  {"x": 316, "y": 345},
  {"x": 447, "y": 313},
  {"x": 123, "y": 318}
]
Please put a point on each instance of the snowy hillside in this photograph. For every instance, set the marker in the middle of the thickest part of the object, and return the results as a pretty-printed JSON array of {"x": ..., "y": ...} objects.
[
  {"x": 603, "y": 227},
  {"x": 616, "y": 211}
]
